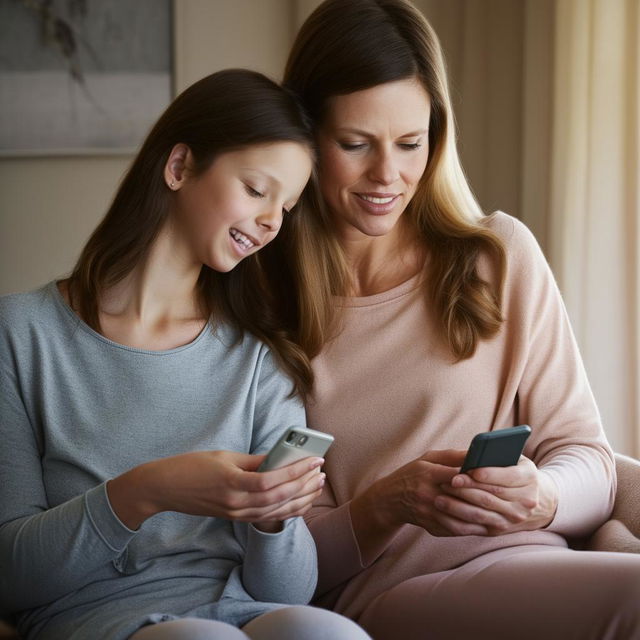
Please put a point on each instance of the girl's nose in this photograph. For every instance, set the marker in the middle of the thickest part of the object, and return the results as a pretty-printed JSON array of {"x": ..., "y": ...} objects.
[{"x": 271, "y": 218}]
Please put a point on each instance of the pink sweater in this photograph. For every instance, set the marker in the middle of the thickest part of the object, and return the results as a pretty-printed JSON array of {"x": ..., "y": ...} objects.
[{"x": 389, "y": 391}]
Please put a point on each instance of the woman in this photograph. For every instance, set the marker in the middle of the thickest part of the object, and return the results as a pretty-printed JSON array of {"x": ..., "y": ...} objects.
[
  {"x": 138, "y": 393},
  {"x": 429, "y": 323}
]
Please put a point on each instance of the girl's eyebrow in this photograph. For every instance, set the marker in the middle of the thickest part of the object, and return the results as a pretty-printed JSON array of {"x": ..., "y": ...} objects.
[
  {"x": 268, "y": 176},
  {"x": 367, "y": 134}
]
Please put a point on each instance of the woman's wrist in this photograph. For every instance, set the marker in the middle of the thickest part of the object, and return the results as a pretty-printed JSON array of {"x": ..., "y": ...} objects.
[
  {"x": 547, "y": 499},
  {"x": 130, "y": 496},
  {"x": 374, "y": 522}
]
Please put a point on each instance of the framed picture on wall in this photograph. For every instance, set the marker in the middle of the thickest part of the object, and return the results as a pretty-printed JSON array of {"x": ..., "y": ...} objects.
[{"x": 82, "y": 76}]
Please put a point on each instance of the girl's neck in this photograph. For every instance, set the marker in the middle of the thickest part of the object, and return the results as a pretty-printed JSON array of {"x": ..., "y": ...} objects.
[{"x": 156, "y": 306}]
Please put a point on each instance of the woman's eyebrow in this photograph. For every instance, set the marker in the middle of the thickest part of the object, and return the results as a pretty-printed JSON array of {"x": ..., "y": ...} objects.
[{"x": 368, "y": 134}]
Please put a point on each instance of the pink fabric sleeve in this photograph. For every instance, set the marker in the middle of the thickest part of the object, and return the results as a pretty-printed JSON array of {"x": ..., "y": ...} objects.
[
  {"x": 338, "y": 551},
  {"x": 554, "y": 396}
]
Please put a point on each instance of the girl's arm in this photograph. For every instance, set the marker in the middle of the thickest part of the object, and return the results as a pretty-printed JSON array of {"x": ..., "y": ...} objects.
[
  {"x": 279, "y": 566},
  {"x": 46, "y": 553}
]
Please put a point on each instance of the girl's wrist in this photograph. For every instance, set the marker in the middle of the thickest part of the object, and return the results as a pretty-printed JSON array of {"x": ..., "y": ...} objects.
[
  {"x": 271, "y": 526},
  {"x": 130, "y": 496}
]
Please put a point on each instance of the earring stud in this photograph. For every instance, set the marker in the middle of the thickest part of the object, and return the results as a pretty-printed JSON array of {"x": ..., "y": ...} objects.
[{"x": 172, "y": 184}]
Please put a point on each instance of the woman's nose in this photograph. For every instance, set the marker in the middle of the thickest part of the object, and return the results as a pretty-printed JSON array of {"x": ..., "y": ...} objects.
[{"x": 384, "y": 169}]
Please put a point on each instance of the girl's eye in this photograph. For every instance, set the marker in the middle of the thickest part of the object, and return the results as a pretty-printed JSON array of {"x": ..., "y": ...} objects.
[
  {"x": 410, "y": 146},
  {"x": 352, "y": 146},
  {"x": 254, "y": 193}
]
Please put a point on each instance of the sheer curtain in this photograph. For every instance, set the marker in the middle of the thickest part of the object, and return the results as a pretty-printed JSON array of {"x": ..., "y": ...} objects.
[{"x": 594, "y": 212}]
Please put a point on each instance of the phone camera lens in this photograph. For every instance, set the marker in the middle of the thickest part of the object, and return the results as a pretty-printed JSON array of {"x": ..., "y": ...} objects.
[
  {"x": 302, "y": 440},
  {"x": 291, "y": 437}
]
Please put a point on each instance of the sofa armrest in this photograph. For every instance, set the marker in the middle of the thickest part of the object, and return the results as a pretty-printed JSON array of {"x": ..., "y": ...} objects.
[{"x": 622, "y": 531}]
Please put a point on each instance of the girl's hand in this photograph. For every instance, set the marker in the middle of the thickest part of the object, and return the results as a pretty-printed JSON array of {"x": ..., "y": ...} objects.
[
  {"x": 222, "y": 484},
  {"x": 502, "y": 499}
]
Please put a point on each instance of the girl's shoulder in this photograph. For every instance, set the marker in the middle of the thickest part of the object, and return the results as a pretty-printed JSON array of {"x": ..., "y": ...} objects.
[{"x": 19, "y": 310}]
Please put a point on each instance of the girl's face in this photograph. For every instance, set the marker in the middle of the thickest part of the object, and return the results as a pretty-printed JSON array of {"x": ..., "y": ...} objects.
[
  {"x": 373, "y": 149},
  {"x": 235, "y": 207}
]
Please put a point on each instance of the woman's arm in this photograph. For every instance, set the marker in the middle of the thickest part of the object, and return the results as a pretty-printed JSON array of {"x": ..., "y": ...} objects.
[
  {"x": 568, "y": 483},
  {"x": 350, "y": 537}
]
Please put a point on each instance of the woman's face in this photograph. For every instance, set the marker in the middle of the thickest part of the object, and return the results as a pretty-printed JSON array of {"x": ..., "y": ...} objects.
[
  {"x": 235, "y": 207},
  {"x": 373, "y": 149}
]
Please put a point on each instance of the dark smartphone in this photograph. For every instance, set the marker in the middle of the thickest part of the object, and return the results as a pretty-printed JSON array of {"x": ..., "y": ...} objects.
[
  {"x": 296, "y": 443},
  {"x": 501, "y": 448}
]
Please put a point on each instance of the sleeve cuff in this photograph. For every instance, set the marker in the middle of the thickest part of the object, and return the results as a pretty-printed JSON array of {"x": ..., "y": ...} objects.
[{"x": 106, "y": 523}]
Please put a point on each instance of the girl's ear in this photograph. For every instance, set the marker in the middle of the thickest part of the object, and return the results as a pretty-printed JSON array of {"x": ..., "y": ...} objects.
[{"x": 177, "y": 165}]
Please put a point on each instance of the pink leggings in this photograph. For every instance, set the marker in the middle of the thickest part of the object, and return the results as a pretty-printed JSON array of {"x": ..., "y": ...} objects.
[{"x": 532, "y": 592}]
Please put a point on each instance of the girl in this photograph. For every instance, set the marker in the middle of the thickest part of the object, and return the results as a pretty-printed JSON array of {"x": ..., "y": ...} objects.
[
  {"x": 431, "y": 322},
  {"x": 137, "y": 393}
]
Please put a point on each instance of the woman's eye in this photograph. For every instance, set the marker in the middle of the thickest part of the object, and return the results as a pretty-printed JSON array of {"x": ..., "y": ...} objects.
[
  {"x": 410, "y": 146},
  {"x": 352, "y": 146},
  {"x": 254, "y": 193}
]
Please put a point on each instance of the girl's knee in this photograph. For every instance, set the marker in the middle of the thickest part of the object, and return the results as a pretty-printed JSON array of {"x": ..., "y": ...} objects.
[
  {"x": 189, "y": 629},
  {"x": 310, "y": 623}
]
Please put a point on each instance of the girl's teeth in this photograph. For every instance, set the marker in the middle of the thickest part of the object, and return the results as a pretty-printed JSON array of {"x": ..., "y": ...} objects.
[
  {"x": 377, "y": 200},
  {"x": 240, "y": 238}
]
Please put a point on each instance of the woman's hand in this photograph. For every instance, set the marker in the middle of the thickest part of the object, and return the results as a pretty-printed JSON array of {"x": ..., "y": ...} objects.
[
  {"x": 408, "y": 496},
  {"x": 502, "y": 499},
  {"x": 222, "y": 484}
]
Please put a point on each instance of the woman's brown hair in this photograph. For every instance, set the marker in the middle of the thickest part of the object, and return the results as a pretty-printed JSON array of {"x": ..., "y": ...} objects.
[
  {"x": 350, "y": 45},
  {"x": 225, "y": 111}
]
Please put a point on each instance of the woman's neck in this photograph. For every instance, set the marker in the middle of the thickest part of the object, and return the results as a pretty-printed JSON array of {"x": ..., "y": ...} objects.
[{"x": 378, "y": 264}]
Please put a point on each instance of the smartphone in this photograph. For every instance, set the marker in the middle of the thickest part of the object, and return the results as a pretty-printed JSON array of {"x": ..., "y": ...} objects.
[
  {"x": 296, "y": 443},
  {"x": 500, "y": 448}
]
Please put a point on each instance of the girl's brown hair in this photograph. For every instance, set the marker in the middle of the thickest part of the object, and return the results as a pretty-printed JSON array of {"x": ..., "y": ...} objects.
[
  {"x": 225, "y": 111},
  {"x": 350, "y": 45}
]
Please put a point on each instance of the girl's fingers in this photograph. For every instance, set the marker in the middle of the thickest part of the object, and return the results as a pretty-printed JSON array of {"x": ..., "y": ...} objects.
[
  {"x": 269, "y": 505},
  {"x": 264, "y": 481},
  {"x": 297, "y": 507}
]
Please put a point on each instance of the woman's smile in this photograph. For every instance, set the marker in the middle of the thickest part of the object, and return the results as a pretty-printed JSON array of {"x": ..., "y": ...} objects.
[{"x": 377, "y": 203}]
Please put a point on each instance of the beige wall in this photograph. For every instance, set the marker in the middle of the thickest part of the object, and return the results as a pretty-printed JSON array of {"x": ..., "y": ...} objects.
[{"x": 48, "y": 206}]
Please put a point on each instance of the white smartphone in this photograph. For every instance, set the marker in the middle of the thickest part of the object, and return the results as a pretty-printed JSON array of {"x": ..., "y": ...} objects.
[{"x": 296, "y": 443}]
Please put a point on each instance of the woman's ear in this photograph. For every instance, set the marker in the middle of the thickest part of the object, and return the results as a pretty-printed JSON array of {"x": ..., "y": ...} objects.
[{"x": 177, "y": 165}]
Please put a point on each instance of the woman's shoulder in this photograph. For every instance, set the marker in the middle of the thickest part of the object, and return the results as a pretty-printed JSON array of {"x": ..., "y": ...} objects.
[
  {"x": 512, "y": 232},
  {"x": 521, "y": 247}
]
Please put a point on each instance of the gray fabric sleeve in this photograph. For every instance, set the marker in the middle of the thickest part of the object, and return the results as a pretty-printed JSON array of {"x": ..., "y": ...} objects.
[
  {"x": 45, "y": 553},
  {"x": 280, "y": 567}
]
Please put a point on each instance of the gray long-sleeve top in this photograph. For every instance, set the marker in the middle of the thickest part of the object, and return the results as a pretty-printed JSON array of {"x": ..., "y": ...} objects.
[{"x": 77, "y": 409}]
